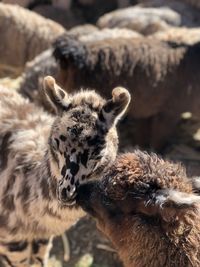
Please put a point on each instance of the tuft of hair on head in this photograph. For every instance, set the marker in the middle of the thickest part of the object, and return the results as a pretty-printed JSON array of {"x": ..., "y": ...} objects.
[
  {"x": 56, "y": 96},
  {"x": 169, "y": 203},
  {"x": 115, "y": 108}
]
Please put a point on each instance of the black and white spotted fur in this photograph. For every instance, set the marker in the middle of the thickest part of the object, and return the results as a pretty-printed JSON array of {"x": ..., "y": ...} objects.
[{"x": 42, "y": 160}]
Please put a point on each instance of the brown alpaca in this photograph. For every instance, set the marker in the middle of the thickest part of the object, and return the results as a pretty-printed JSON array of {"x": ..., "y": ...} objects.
[{"x": 147, "y": 208}]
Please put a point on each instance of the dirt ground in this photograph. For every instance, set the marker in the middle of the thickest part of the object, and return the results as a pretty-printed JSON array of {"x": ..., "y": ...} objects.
[{"x": 88, "y": 247}]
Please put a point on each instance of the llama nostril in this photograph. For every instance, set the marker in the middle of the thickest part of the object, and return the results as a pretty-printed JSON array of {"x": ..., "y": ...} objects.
[
  {"x": 64, "y": 194},
  {"x": 67, "y": 193}
]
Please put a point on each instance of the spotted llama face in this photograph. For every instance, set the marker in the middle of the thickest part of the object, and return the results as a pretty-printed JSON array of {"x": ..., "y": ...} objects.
[{"x": 83, "y": 140}]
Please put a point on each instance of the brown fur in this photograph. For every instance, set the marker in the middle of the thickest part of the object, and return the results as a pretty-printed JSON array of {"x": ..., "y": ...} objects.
[
  {"x": 30, "y": 32},
  {"x": 147, "y": 208}
]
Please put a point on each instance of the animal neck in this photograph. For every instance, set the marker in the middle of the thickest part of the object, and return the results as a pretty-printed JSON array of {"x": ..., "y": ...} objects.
[
  {"x": 47, "y": 179},
  {"x": 140, "y": 243},
  {"x": 52, "y": 218}
]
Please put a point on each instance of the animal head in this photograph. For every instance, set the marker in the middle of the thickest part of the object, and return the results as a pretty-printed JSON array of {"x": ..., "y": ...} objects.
[
  {"x": 138, "y": 186},
  {"x": 83, "y": 139}
]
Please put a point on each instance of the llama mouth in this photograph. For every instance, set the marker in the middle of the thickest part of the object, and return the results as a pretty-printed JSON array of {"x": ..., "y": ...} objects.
[
  {"x": 68, "y": 202},
  {"x": 65, "y": 197}
]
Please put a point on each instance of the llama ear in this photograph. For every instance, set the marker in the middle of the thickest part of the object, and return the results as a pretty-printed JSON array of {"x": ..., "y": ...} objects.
[
  {"x": 55, "y": 95},
  {"x": 170, "y": 203},
  {"x": 114, "y": 108}
]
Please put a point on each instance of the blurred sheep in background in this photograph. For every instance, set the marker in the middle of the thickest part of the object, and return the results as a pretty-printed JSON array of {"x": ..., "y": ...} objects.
[{"x": 29, "y": 32}]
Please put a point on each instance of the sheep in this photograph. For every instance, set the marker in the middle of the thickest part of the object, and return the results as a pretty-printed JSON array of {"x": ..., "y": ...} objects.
[
  {"x": 151, "y": 17},
  {"x": 82, "y": 30},
  {"x": 44, "y": 158},
  {"x": 26, "y": 35},
  {"x": 146, "y": 206},
  {"x": 58, "y": 11},
  {"x": 142, "y": 20},
  {"x": 179, "y": 35}
]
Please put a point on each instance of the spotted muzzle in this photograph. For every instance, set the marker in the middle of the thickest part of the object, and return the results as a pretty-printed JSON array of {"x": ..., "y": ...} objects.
[{"x": 67, "y": 192}]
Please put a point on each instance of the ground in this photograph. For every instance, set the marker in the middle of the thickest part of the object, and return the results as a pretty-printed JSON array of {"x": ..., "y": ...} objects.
[{"x": 88, "y": 247}]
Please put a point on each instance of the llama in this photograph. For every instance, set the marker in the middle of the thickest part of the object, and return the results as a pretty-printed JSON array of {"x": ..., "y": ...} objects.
[
  {"x": 147, "y": 208},
  {"x": 44, "y": 158}
]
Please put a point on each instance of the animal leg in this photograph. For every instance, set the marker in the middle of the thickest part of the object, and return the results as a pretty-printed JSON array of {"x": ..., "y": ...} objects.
[
  {"x": 66, "y": 247},
  {"x": 40, "y": 251},
  {"x": 15, "y": 254}
]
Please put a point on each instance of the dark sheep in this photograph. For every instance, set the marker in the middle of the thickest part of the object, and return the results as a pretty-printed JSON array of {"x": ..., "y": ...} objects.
[
  {"x": 147, "y": 208},
  {"x": 152, "y": 16},
  {"x": 164, "y": 78}
]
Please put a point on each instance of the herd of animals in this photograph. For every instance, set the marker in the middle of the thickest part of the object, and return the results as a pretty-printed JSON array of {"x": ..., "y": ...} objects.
[{"x": 60, "y": 131}]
